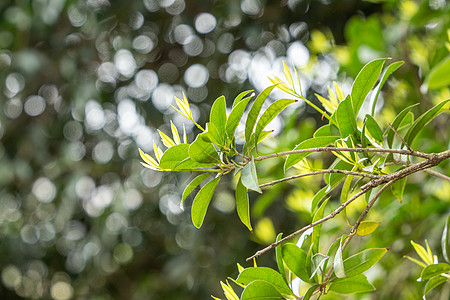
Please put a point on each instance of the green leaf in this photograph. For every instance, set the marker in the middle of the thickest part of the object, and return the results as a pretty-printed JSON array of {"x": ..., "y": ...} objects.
[
  {"x": 439, "y": 76},
  {"x": 434, "y": 270},
  {"x": 306, "y": 144},
  {"x": 267, "y": 275},
  {"x": 422, "y": 121},
  {"x": 316, "y": 229},
  {"x": 396, "y": 124},
  {"x": 310, "y": 292},
  {"x": 373, "y": 128},
  {"x": 235, "y": 116},
  {"x": 254, "y": 111},
  {"x": 333, "y": 179},
  {"x": 344, "y": 193},
  {"x": 279, "y": 257},
  {"x": 363, "y": 261},
  {"x": 242, "y": 204},
  {"x": 325, "y": 130},
  {"x": 249, "y": 177},
  {"x": 365, "y": 81},
  {"x": 391, "y": 69},
  {"x": 218, "y": 115},
  {"x": 213, "y": 135},
  {"x": 357, "y": 284},
  {"x": 173, "y": 156},
  {"x": 193, "y": 184},
  {"x": 432, "y": 283},
  {"x": 346, "y": 118},
  {"x": 338, "y": 264},
  {"x": 202, "y": 151},
  {"x": 260, "y": 290},
  {"x": 367, "y": 227},
  {"x": 271, "y": 112},
  {"x": 295, "y": 259},
  {"x": 445, "y": 240},
  {"x": 317, "y": 198},
  {"x": 241, "y": 96},
  {"x": 201, "y": 202},
  {"x": 398, "y": 187},
  {"x": 317, "y": 262}
]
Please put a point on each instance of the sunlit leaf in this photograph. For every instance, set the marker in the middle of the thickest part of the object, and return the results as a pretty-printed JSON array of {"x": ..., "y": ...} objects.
[
  {"x": 193, "y": 184},
  {"x": 363, "y": 261},
  {"x": 434, "y": 270},
  {"x": 356, "y": 284},
  {"x": 249, "y": 176},
  {"x": 218, "y": 116},
  {"x": 267, "y": 275},
  {"x": 254, "y": 111},
  {"x": 389, "y": 70},
  {"x": 260, "y": 290},
  {"x": 434, "y": 282},
  {"x": 242, "y": 204},
  {"x": 295, "y": 260},
  {"x": 235, "y": 116},
  {"x": 367, "y": 227},
  {"x": 288, "y": 75},
  {"x": 241, "y": 96},
  {"x": 445, "y": 241},
  {"x": 396, "y": 124},
  {"x": 439, "y": 76},
  {"x": 346, "y": 118},
  {"x": 202, "y": 151},
  {"x": 424, "y": 255},
  {"x": 167, "y": 141},
  {"x": 310, "y": 292},
  {"x": 201, "y": 202}
]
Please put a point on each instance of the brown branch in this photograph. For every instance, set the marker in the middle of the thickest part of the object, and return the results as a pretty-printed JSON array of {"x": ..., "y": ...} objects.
[
  {"x": 359, "y": 150},
  {"x": 318, "y": 173},
  {"x": 431, "y": 172}
]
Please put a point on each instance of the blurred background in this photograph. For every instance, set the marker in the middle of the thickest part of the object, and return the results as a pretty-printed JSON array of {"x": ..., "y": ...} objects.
[{"x": 84, "y": 83}]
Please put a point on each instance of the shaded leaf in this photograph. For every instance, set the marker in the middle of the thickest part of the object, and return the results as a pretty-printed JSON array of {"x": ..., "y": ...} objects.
[
  {"x": 434, "y": 270},
  {"x": 254, "y": 111},
  {"x": 317, "y": 198},
  {"x": 396, "y": 124},
  {"x": 202, "y": 151},
  {"x": 316, "y": 229},
  {"x": 259, "y": 290},
  {"x": 338, "y": 264},
  {"x": 367, "y": 227},
  {"x": 389, "y": 70},
  {"x": 346, "y": 118},
  {"x": 309, "y": 143},
  {"x": 398, "y": 188},
  {"x": 267, "y": 275},
  {"x": 357, "y": 284},
  {"x": 242, "y": 204},
  {"x": 249, "y": 177},
  {"x": 364, "y": 82},
  {"x": 201, "y": 202},
  {"x": 295, "y": 259},
  {"x": 373, "y": 128},
  {"x": 363, "y": 261},
  {"x": 279, "y": 257},
  {"x": 432, "y": 283},
  {"x": 310, "y": 292},
  {"x": 193, "y": 184},
  {"x": 317, "y": 262}
]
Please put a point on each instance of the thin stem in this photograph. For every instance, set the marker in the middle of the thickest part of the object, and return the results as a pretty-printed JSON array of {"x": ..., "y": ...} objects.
[
  {"x": 318, "y": 173},
  {"x": 359, "y": 150},
  {"x": 431, "y": 172},
  {"x": 400, "y": 137}
]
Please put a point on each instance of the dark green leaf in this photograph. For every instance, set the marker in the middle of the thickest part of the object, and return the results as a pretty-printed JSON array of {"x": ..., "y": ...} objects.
[
  {"x": 239, "y": 97},
  {"x": 279, "y": 257},
  {"x": 422, "y": 121},
  {"x": 363, "y": 261},
  {"x": 391, "y": 69},
  {"x": 321, "y": 141},
  {"x": 201, "y": 202},
  {"x": 338, "y": 263},
  {"x": 235, "y": 116},
  {"x": 202, "y": 151},
  {"x": 316, "y": 229},
  {"x": 260, "y": 290},
  {"x": 249, "y": 177},
  {"x": 439, "y": 76},
  {"x": 193, "y": 184},
  {"x": 445, "y": 241},
  {"x": 295, "y": 259},
  {"x": 242, "y": 204},
  {"x": 396, "y": 124},
  {"x": 433, "y": 282},
  {"x": 398, "y": 187},
  {"x": 218, "y": 115},
  {"x": 346, "y": 118},
  {"x": 434, "y": 270},
  {"x": 373, "y": 128},
  {"x": 357, "y": 284},
  {"x": 271, "y": 112},
  {"x": 365, "y": 81},
  {"x": 254, "y": 111},
  {"x": 267, "y": 275}
]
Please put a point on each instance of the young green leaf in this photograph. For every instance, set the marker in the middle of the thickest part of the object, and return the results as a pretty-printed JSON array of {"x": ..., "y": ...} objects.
[
  {"x": 445, "y": 241},
  {"x": 235, "y": 116},
  {"x": 396, "y": 124},
  {"x": 272, "y": 111},
  {"x": 201, "y": 202},
  {"x": 268, "y": 275},
  {"x": 365, "y": 81},
  {"x": 338, "y": 264},
  {"x": 398, "y": 187},
  {"x": 316, "y": 229},
  {"x": 434, "y": 282},
  {"x": 346, "y": 118},
  {"x": 356, "y": 284},
  {"x": 173, "y": 156},
  {"x": 422, "y": 121},
  {"x": 434, "y": 270},
  {"x": 218, "y": 115},
  {"x": 373, "y": 128},
  {"x": 193, "y": 184},
  {"x": 249, "y": 177},
  {"x": 295, "y": 259},
  {"x": 242, "y": 204},
  {"x": 363, "y": 261},
  {"x": 279, "y": 257},
  {"x": 439, "y": 76},
  {"x": 260, "y": 290},
  {"x": 202, "y": 151},
  {"x": 321, "y": 141},
  {"x": 367, "y": 227},
  {"x": 254, "y": 111},
  {"x": 391, "y": 69},
  {"x": 241, "y": 96}
]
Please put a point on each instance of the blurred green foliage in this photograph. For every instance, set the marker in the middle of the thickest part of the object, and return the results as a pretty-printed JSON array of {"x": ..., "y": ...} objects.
[{"x": 86, "y": 82}]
